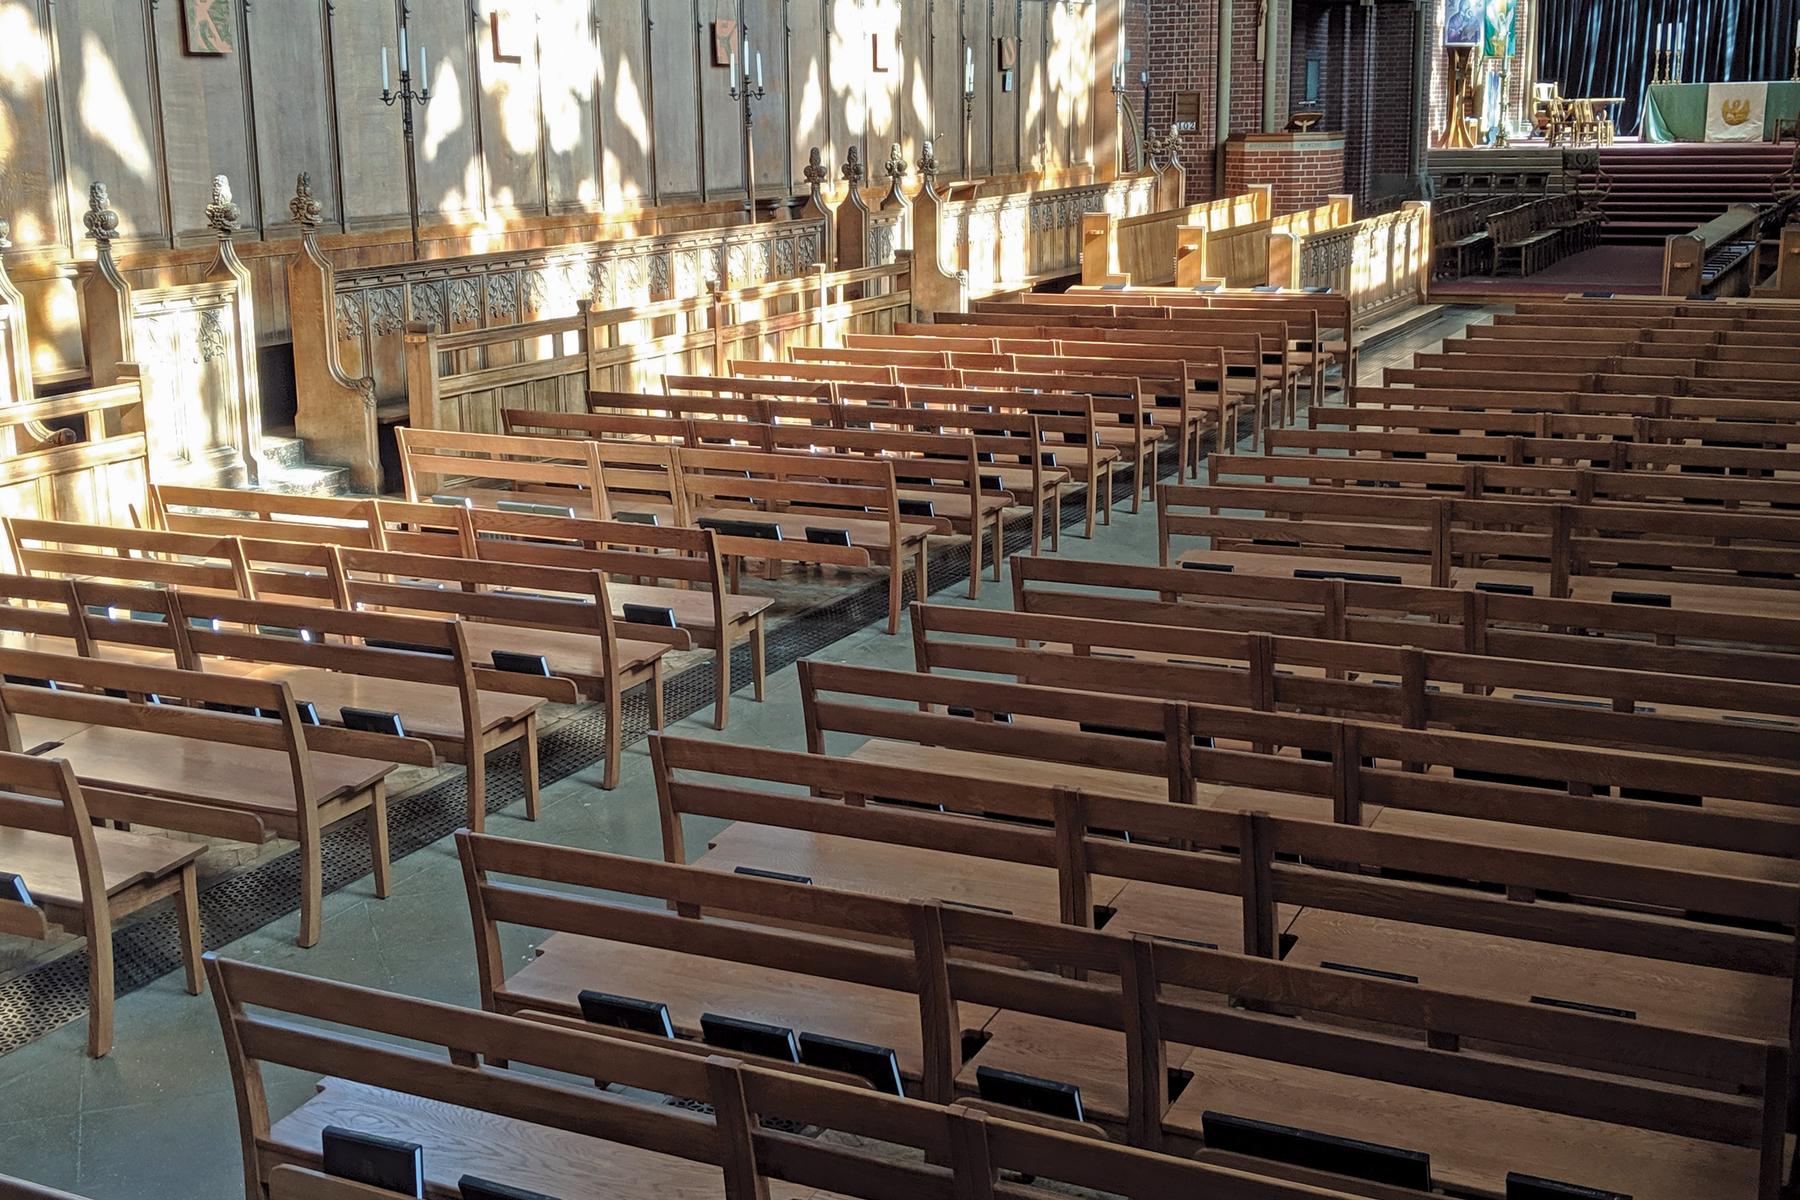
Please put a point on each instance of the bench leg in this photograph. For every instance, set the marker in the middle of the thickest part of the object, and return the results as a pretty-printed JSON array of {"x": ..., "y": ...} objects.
[
  {"x": 1145, "y": 467},
  {"x": 895, "y": 572},
  {"x": 656, "y": 696},
  {"x": 759, "y": 659},
  {"x": 100, "y": 991},
  {"x": 721, "y": 682},
  {"x": 976, "y": 532},
  {"x": 1038, "y": 504},
  {"x": 528, "y": 767},
  {"x": 378, "y": 842},
  {"x": 615, "y": 721},
  {"x": 1000, "y": 542},
  {"x": 1056, "y": 519},
  {"x": 1105, "y": 501},
  {"x": 476, "y": 759},
  {"x": 187, "y": 912},
  {"x": 312, "y": 878}
]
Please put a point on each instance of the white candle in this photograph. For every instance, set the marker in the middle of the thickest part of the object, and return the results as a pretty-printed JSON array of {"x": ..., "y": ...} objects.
[
  {"x": 403, "y": 47},
  {"x": 969, "y": 69},
  {"x": 731, "y": 69},
  {"x": 424, "y": 70},
  {"x": 759, "y": 81},
  {"x": 384, "y": 70}
]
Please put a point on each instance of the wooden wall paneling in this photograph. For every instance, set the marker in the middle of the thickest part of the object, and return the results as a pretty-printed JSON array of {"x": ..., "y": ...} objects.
[
  {"x": 206, "y": 131},
  {"x": 28, "y": 152},
  {"x": 510, "y": 113},
  {"x": 1006, "y": 104},
  {"x": 916, "y": 113},
  {"x": 877, "y": 93},
  {"x": 721, "y": 117},
  {"x": 682, "y": 144},
  {"x": 292, "y": 94},
  {"x": 568, "y": 78},
  {"x": 1081, "y": 81},
  {"x": 109, "y": 129},
  {"x": 1034, "y": 83},
  {"x": 370, "y": 167},
  {"x": 946, "y": 59},
  {"x": 850, "y": 82},
  {"x": 978, "y": 30},
  {"x": 767, "y": 21},
  {"x": 810, "y": 52},
  {"x": 627, "y": 147},
  {"x": 453, "y": 144}
]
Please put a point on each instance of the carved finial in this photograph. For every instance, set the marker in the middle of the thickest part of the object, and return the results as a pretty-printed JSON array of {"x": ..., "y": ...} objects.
[
  {"x": 853, "y": 167},
  {"x": 896, "y": 163},
  {"x": 928, "y": 163},
  {"x": 222, "y": 215},
  {"x": 101, "y": 221},
  {"x": 815, "y": 172},
  {"x": 304, "y": 208},
  {"x": 5, "y": 235}
]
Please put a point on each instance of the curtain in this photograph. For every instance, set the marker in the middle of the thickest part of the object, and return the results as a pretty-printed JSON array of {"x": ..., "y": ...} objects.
[{"x": 1606, "y": 47}]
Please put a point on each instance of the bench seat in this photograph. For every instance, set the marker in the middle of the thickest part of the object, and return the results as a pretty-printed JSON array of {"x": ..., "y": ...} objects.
[
  {"x": 232, "y": 777},
  {"x": 691, "y": 985},
  {"x": 47, "y": 863},
  {"x": 578, "y": 656},
  {"x": 462, "y": 1141},
  {"x": 1186, "y": 914},
  {"x": 901, "y": 872},
  {"x": 1092, "y": 1059},
  {"x": 1674, "y": 994},
  {"x": 970, "y": 763},
  {"x": 693, "y": 608},
  {"x": 1473, "y": 1143},
  {"x": 427, "y": 710}
]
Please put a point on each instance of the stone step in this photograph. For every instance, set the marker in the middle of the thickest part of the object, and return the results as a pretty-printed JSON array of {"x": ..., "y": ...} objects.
[
  {"x": 283, "y": 451},
  {"x": 287, "y": 469}
]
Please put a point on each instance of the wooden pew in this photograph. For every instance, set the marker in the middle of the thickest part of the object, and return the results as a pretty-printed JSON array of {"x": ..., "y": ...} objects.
[
  {"x": 1624, "y": 636},
  {"x": 853, "y": 961},
  {"x": 471, "y": 1114},
  {"x": 701, "y": 603},
  {"x": 417, "y": 670},
  {"x": 1736, "y": 561},
  {"x": 1419, "y": 689},
  {"x": 260, "y": 778},
  {"x": 1401, "y": 409},
  {"x": 1094, "y": 861},
  {"x": 82, "y": 876},
  {"x": 557, "y": 620},
  {"x": 1720, "y": 257},
  {"x": 1515, "y": 793},
  {"x": 1427, "y": 392}
]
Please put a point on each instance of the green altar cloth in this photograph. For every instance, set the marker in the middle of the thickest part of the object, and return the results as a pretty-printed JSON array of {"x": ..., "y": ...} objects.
[{"x": 1676, "y": 112}]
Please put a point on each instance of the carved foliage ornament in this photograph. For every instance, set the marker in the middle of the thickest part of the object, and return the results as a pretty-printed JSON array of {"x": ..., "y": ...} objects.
[
  {"x": 101, "y": 221},
  {"x": 928, "y": 163},
  {"x": 222, "y": 216},
  {"x": 5, "y": 235},
  {"x": 853, "y": 167},
  {"x": 896, "y": 163},
  {"x": 815, "y": 172},
  {"x": 303, "y": 206},
  {"x": 210, "y": 340}
]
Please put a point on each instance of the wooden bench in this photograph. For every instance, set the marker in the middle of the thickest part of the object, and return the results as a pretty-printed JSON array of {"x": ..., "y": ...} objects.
[
  {"x": 81, "y": 877},
  {"x": 1507, "y": 625},
  {"x": 629, "y": 552},
  {"x": 1418, "y": 689},
  {"x": 471, "y": 1114},
  {"x": 1720, "y": 257},
  {"x": 1031, "y": 850},
  {"x": 1402, "y": 409},
  {"x": 260, "y": 778},
  {"x": 1734, "y": 561},
  {"x": 1146, "y": 1009},
  {"x": 1512, "y": 792},
  {"x": 557, "y": 620}
]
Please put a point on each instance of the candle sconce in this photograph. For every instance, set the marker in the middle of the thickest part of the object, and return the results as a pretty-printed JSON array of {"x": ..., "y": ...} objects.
[
  {"x": 406, "y": 97},
  {"x": 744, "y": 94}
]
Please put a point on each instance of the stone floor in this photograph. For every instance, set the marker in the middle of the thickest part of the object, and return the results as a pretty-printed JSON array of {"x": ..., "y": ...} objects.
[{"x": 156, "y": 1117}]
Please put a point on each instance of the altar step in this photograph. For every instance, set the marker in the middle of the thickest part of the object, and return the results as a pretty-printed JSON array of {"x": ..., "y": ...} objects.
[
  {"x": 1660, "y": 190},
  {"x": 286, "y": 468}
]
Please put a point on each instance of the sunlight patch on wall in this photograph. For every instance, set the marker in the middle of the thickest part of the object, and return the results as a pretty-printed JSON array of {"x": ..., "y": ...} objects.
[{"x": 106, "y": 113}]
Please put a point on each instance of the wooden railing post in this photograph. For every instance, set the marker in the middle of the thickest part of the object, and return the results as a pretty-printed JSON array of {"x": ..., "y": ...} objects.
[
  {"x": 422, "y": 396},
  {"x": 852, "y": 216},
  {"x": 1190, "y": 255},
  {"x": 1099, "y": 249},
  {"x": 246, "y": 399},
  {"x": 1284, "y": 259},
  {"x": 334, "y": 414},
  {"x": 105, "y": 296},
  {"x": 814, "y": 209},
  {"x": 935, "y": 288}
]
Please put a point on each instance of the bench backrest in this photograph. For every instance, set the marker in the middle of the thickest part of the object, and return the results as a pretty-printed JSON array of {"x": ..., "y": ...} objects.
[{"x": 41, "y": 795}]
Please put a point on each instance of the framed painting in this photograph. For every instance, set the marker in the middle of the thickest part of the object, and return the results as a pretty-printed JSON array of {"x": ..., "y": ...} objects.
[
  {"x": 1463, "y": 21},
  {"x": 208, "y": 26},
  {"x": 1502, "y": 25}
]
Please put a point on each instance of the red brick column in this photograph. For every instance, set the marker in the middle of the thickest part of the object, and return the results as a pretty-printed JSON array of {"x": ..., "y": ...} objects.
[{"x": 1303, "y": 168}]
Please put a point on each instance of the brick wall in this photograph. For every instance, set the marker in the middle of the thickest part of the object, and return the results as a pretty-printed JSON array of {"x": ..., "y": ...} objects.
[
  {"x": 1183, "y": 40},
  {"x": 1302, "y": 172}
]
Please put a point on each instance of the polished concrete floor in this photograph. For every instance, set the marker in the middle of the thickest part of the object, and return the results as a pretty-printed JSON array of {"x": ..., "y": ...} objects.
[{"x": 156, "y": 1117}]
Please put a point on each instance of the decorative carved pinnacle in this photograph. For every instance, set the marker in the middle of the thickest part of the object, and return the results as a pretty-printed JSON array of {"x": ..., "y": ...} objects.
[
  {"x": 853, "y": 167},
  {"x": 896, "y": 163},
  {"x": 101, "y": 221},
  {"x": 222, "y": 215},
  {"x": 815, "y": 172},
  {"x": 928, "y": 163},
  {"x": 5, "y": 235},
  {"x": 304, "y": 208}
]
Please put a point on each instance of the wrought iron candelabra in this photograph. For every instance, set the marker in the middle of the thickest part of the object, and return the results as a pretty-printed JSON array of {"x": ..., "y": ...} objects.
[
  {"x": 406, "y": 97},
  {"x": 745, "y": 95}
]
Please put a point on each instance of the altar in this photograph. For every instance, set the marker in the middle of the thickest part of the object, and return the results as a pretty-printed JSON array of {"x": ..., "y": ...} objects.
[{"x": 1717, "y": 112}]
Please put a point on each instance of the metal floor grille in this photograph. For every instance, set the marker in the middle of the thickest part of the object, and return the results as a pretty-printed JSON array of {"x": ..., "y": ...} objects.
[{"x": 43, "y": 998}]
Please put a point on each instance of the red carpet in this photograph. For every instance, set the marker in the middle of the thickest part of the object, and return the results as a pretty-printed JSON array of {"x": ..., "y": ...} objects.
[{"x": 1628, "y": 269}]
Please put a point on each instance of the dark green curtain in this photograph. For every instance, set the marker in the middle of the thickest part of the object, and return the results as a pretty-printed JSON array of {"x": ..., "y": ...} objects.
[{"x": 1605, "y": 47}]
